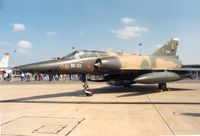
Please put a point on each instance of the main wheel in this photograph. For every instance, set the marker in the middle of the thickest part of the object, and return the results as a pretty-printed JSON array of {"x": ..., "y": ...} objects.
[
  {"x": 88, "y": 93},
  {"x": 162, "y": 86}
]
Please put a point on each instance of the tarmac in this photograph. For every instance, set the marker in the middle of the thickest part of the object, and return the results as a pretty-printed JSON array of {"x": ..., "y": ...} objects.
[{"x": 62, "y": 109}]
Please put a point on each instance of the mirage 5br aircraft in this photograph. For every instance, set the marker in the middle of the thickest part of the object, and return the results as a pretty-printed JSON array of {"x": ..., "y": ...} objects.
[{"x": 120, "y": 69}]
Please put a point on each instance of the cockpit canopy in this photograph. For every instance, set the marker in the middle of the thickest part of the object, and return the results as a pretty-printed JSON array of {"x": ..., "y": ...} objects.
[{"x": 85, "y": 54}]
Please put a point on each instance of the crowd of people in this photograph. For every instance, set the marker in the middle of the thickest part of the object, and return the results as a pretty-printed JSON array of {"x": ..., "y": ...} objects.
[
  {"x": 5, "y": 76},
  {"x": 27, "y": 77},
  {"x": 50, "y": 77}
]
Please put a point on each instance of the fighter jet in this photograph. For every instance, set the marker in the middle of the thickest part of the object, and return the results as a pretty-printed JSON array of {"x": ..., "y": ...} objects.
[{"x": 120, "y": 69}]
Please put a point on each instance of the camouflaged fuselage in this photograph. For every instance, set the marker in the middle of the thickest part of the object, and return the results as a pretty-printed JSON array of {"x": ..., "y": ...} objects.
[{"x": 109, "y": 63}]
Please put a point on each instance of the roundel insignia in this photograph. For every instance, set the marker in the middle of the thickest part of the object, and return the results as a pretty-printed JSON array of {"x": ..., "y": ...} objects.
[{"x": 89, "y": 66}]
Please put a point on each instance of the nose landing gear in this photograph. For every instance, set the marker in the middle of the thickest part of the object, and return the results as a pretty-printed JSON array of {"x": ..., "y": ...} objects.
[{"x": 87, "y": 91}]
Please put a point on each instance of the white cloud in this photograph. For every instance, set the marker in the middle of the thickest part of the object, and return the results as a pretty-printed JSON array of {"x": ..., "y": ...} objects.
[
  {"x": 23, "y": 47},
  {"x": 127, "y": 20},
  {"x": 19, "y": 27},
  {"x": 50, "y": 33},
  {"x": 129, "y": 32},
  {"x": 24, "y": 44},
  {"x": 131, "y": 29}
]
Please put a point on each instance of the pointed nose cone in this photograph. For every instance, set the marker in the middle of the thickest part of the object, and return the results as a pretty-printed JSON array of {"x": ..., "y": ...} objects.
[
  {"x": 43, "y": 66},
  {"x": 25, "y": 68},
  {"x": 34, "y": 67}
]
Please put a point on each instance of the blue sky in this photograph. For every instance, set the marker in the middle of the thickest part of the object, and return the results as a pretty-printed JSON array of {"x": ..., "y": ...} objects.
[{"x": 34, "y": 30}]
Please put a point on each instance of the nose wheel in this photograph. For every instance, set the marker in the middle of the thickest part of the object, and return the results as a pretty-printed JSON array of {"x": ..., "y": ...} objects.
[{"x": 87, "y": 91}]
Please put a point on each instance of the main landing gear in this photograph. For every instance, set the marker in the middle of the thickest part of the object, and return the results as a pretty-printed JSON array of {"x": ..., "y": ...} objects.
[
  {"x": 162, "y": 87},
  {"x": 87, "y": 91}
]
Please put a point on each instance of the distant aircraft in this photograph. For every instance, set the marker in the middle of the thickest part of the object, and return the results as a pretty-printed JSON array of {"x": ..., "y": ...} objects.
[
  {"x": 4, "y": 61},
  {"x": 194, "y": 74},
  {"x": 4, "y": 66},
  {"x": 121, "y": 69}
]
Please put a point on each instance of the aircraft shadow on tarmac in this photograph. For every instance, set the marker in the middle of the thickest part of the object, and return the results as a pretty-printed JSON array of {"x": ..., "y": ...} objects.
[
  {"x": 143, "y": 90},
  {"x": 187, "y": 114},
  {"x": 124, "y": 92},
  {"x": 191, "y": 114}
]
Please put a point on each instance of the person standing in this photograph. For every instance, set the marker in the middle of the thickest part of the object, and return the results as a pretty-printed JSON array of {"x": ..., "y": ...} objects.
[{"x": 1, "y": 76}]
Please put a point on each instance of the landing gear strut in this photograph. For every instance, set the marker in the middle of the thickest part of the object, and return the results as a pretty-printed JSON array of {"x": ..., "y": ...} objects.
[
  {"x": 162, "y": 86},
  {"x": 86, "y": 89}
]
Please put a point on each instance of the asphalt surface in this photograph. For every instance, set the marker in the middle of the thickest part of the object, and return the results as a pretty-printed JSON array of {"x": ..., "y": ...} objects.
[{"x": 61, "y": 109}]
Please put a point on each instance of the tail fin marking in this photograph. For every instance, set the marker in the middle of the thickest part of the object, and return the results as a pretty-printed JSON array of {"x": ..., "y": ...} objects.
[{"x": 168, "y": 49}]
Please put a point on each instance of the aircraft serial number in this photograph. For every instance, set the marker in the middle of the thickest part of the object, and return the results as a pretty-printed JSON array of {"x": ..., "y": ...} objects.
[{"x": 68, "y": 66}]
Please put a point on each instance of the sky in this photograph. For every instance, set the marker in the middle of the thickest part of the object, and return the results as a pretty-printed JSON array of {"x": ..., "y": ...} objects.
[{"x": 36, "y": 30}]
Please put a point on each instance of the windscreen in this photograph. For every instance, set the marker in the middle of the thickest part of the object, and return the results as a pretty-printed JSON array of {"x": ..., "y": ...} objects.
[{"x": 84, "y": 54}]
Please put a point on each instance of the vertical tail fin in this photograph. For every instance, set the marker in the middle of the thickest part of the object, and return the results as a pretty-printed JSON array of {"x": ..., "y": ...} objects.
[
  {"x": 5, "y": 60},
  {"x": 168, "y": 49}
]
